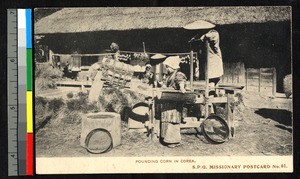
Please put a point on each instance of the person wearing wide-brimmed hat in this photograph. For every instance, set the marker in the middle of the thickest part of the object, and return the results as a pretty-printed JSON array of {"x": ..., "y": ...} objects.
[
  {"x": 157, "y": 68},
  {"x": 214, "y": 62},
  {"x": 171, "y": 112}
]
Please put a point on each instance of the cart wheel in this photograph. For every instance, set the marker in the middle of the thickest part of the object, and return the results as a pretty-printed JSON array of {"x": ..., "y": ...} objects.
[
  {"x": 215, "y": 129},
  {"x": 98, "y": 141}
]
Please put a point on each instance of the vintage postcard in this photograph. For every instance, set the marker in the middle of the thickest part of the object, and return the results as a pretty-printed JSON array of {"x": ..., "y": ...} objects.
[{"x": 163, "y": 90}]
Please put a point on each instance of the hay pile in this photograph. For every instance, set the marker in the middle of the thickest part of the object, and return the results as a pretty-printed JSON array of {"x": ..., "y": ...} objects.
[
  {"x": 115, "y": 100},
  {"x": 45, "y": 110},
  {"x": 45, "y": 76},
  {"x": 58, "y": 121},
  {"x": 69, "y": 111}
]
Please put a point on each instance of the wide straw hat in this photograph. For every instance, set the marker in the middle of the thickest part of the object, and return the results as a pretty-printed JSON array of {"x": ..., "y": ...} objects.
[
  {"x": 199, "y": 24},
  {"x": 158, "y": 56},
  {"x": 173, "y": 62}
]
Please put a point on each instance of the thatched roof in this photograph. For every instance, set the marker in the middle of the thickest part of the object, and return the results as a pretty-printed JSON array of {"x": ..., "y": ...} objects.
[{"x": 72, "y": 20}]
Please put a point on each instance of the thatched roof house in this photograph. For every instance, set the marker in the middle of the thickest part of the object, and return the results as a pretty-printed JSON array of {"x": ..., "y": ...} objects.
[
  {"x": 72, "y": 20},
  {"x": 260, "y": 37}
]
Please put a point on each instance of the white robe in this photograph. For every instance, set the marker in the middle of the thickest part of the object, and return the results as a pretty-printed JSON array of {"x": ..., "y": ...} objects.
[{"x": 215, "y": 63}]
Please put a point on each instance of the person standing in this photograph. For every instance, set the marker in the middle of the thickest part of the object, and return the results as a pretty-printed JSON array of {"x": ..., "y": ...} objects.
[
  {"x": 66, "y": 69},
  {"x": 171, "y": 111},
  {"x": 114, "y": 47},
  {"x": 214, "y": 55},
  {"x": 148, "y": 76},
  {"x": 175, "y": 78},
  {"x": 214, "y": 62}
]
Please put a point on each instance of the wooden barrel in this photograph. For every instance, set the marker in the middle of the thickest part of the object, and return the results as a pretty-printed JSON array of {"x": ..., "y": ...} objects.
[
  {"x": 138, "y": 115},
  {"x": 100, "y": 131}
]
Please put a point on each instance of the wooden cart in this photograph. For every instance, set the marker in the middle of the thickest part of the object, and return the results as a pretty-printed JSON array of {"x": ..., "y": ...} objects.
[{"x": 194, "y": 95}]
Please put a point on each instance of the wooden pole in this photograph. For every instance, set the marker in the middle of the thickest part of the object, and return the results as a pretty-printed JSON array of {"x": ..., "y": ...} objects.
[
  {"x": 197, "y": 69},
  {"x": 80, "y": 58},
  {"x": 154, "y": 73},
  {"x": 122, "y": 51},
  {"x": 274, "y": 82},
  {"x": 149, "y": 100},
  {"x": 113, "y": 71},
  {"x": 160, "y": 72},
  {"x": 246, "y": 78},
  {"x": 153, "y": 129},
  {"x": 144, "y": 47},
  {"x": 96, "y": 88},
  {"x": 206, "y": 79},
  {"x": 229, "y": 116},
  {"x": 50, "y": 57},
  {"x": 191, "y": 70},
  {"x": 228, "y": 72},
  {"x": 259, "y": 80},
  {"x": 232, "y": 76}
]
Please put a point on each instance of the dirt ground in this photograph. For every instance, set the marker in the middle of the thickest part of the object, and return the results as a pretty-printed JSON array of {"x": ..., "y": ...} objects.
[{"x": 263, "y": 126}]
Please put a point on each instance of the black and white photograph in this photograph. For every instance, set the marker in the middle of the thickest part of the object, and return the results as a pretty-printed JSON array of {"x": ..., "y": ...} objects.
[{"x": 163, "y": 89}]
